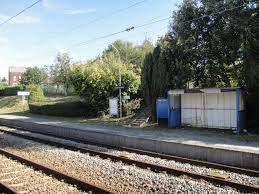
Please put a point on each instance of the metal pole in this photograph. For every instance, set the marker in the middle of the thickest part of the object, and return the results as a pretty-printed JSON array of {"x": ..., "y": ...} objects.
[{"x": 119, "y": 79}]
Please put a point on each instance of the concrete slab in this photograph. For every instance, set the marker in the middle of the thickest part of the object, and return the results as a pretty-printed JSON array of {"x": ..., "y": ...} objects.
[{"x": 190, "y": 143}]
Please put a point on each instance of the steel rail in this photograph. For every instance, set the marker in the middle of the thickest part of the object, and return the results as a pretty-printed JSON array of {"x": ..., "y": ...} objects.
[
  {"x": 153, "y": 167},
  {"x": 249, "y": 172},
  {"x": 59, "y": 175},
  {"x": 6, "y": 189}
]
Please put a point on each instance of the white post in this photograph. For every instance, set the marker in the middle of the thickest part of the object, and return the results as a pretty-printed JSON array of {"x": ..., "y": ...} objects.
[{"x": 119, "y": 80}]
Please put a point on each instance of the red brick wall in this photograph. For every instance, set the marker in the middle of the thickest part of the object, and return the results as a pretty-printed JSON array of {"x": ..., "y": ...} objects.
[{"x": 15, "y": 78}]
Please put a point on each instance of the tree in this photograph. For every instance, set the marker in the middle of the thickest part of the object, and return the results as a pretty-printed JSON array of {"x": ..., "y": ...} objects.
[
  {"x": 95, "y": 81},
  {"x": 219, "y": 45},
  {"x": 216, "y": 50},
  {"x": 59, "y": 72},
  {"x": 4, "y": 80},
  {"x": 34, "y": 75},
  {"x": 129, "y": 53},
  {"x": 163, "y": 70}
]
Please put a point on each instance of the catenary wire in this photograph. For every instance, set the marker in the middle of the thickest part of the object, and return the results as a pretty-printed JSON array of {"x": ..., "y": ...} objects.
[
  {"x": 150, "y": 23},
  {"x": 19, "y": 13}
]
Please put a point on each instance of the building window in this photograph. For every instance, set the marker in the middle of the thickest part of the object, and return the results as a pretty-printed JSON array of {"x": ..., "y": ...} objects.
[
  {"x": 20, "y": 77},
  {"x": 14, "y": 78}
]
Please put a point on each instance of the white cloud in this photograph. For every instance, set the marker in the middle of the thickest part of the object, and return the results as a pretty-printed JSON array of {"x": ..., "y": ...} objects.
[
  {"x": 63, "y": 7},
  {"x": 20, "y": 19},
  {"x": 78, "y": 11}
]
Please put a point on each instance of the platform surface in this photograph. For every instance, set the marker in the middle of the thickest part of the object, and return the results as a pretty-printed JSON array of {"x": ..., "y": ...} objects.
[{"x": 200, "y": 137}]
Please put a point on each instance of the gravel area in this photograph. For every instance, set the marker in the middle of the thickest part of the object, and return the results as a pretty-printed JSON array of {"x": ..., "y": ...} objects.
[
  {"x": 117, "y": 177},
  {"x": 240, "y": 178},
  {"x": 24, "y": 179}
]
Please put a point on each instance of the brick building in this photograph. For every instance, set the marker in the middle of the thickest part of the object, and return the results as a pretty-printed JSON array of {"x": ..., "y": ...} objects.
[{"x": 15, "y": 75}]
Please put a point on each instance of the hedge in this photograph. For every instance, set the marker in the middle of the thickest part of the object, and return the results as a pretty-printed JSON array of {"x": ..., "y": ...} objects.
[
  {"x": 64, "y": 109},
  {"x": 11, "y": 90},
  {"x": 36, "y": 93}
]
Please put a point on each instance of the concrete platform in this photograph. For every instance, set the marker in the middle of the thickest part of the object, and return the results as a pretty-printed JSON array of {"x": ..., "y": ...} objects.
[{"x": 190, "y": 143}]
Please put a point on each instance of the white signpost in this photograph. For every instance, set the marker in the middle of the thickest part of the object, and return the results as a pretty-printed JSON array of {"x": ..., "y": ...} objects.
[
  {"x": 113, "y": 106},
  {"x": 23, "y": 94}
]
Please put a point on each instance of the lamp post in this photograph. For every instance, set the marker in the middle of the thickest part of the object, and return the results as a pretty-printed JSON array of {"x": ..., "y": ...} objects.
[{"x": 119, "y": 79}]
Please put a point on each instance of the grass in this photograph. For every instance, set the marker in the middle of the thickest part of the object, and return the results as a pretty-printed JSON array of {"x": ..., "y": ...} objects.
[
  {"x": 12, "y": 104},
  {"x": 58, "y": 99}
]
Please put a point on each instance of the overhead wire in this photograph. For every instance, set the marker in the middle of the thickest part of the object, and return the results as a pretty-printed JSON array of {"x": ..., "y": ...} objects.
[
  {"x": 131, "y": 28},
  {"x": 101, "y": 17},
  {"x": 150, "y": 23},
  {"x": 112, "y": 13},
  {"x": 19, "y": 13}
]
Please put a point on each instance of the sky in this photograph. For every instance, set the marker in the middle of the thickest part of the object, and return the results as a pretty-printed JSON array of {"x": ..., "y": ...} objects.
[{"x": 36, "y": 36}]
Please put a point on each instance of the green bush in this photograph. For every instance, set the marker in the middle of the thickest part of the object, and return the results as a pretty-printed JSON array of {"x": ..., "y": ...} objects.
[
  {"x": 36, "y": 93},
  {"x": 3, "y": 86},
  {"x": 96, "y": 82},
  {"x": 63, "y": 109},
  {"x": 10, "y": 90}
]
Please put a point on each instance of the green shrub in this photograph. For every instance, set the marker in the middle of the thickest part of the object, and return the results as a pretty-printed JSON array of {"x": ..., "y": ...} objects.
[
  {"x": 96, "y": 82},
  {"x": 36, "y": 93},
  {"x": 3, "y": 86},
  {"x": 64, "y": 109},
  {"x": 10, "y": 90},
  {"x": 131, "y": 106}
]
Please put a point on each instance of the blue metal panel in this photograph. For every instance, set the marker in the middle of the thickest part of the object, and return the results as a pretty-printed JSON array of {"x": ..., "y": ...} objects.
[
  {"x": 241, "y": 114},
  {"x": 174, "y": 117},
  {"x": 237, "y": 110},
  {"x": 242, "y": 119},
  {"x": 162, "y": 108}
]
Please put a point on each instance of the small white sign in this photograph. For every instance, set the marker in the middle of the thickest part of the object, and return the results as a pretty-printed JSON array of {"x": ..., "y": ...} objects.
[
  {"x": 23, "y": 93},
  {"x": 126, "y": 97},
  {"x": 113, "y": 106}
]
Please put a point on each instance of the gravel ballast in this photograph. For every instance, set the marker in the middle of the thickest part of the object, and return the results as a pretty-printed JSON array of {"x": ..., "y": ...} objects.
[
  {"x": 117, "y": 177},
  {"x": 24, "y": 179},
  {"x": 236, "y": 177}
]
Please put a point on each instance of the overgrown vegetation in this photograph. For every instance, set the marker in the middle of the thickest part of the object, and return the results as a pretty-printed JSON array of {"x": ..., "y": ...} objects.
[
  {"x": 216, "y": 50},
  {"x": 12, "y": 104},
  {"x": 209, "y": 43},
  {"x": 6, "y": 90},
  {"x": 34, "y": 75},
  {"x": 95, "y": 82},
  {"x": 36, "y": 93},
  {"x": 65, "y": 107},
  {"x": 59, "y": 71}
]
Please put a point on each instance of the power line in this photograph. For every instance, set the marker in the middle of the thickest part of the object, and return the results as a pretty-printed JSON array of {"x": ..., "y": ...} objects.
[
  {"x": 112, "y": 13},
  {"x": 19, "y": 13},
  {"x": 150, "y": 23},
  {"x": 102, "y": 17}
]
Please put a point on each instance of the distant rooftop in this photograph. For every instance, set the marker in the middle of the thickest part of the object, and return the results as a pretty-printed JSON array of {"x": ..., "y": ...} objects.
[{"x": 17, "y": 69}]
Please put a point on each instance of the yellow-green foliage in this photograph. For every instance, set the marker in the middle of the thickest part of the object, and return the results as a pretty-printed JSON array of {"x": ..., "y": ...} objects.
[
  {"x": 36, "y": 93},
  {"x": 95, "y": 81}
]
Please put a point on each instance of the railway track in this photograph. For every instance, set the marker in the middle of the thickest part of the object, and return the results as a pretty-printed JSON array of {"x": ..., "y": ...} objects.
[
  {"x": 5, "y": 189},
  {"x": 16, "y": 176},
  {"x": 249, "y": 172},
  {"x": 27, "y": 134}
]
